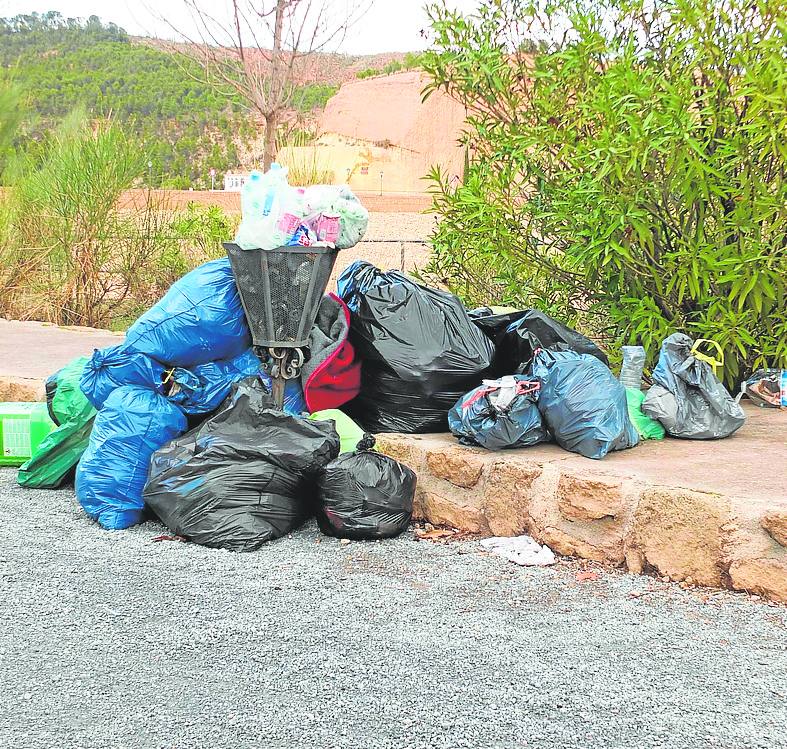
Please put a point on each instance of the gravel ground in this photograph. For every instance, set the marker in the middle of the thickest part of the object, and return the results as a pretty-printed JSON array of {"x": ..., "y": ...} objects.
[{"x": 110, "y": 640}]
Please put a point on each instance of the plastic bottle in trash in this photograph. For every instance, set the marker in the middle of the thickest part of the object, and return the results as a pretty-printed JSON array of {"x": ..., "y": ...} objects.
[
  {"x": 633, "y": 364},
  {"x": 268, "y": 207}
]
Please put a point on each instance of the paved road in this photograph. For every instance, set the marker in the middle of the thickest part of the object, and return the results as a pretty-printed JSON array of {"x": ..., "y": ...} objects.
[{"x": 110, "y": 640}]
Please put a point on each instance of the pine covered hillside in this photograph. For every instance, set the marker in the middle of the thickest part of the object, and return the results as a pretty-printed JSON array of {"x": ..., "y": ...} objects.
[{"x": 185, "y": 126}]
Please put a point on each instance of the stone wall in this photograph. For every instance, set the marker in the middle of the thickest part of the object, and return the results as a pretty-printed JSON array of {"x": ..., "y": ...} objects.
[{"x": 613, "y": 516}]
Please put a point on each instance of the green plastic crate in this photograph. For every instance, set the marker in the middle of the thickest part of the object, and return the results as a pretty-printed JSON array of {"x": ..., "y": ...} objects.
[{"x": 22, "y": 428}]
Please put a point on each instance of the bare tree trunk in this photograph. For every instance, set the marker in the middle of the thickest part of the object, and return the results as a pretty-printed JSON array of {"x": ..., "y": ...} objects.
[
  {"x": 258, "y": 52},
  {"x": 276, "y": 87},
  {"x": 269, "y": 147}
]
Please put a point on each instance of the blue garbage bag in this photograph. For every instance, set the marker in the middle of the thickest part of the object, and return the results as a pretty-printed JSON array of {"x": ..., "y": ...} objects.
[
  {"x": 111, "y": 367},
  {"x": 201, "y": 390},
  {"x": 133, "y": 423},
  {"x": 499, "y": 414},
  {"x": 583, "y": 403},
  {"x": 199, "y": 320}
]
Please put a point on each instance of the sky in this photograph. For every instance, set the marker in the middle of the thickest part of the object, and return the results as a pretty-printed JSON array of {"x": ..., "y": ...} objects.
[{"x": 390, "y": 25}]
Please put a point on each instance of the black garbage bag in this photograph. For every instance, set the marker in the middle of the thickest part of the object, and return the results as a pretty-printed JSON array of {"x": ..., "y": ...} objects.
[
  {"x": 687, "y": 398},
  {"x": 419, "y": 349},
  {"x": 583, "y": 403},
  {"x": 365, "y": 495},
  {"x": 50, "y": 388},
  {"x": 517, "y": 335},
  {"x": 245, "y": 476},
  {"x": 499, "y": 414}
]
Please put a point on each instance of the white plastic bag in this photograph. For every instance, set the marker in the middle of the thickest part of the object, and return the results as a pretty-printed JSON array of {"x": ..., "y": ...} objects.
[
  {"x": 521, "y": 550},
  {"x": 340, "y": 201},
  {"x": 270, "y": 211}
]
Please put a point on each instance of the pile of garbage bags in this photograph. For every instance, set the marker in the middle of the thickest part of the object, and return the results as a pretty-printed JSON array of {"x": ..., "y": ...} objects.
[
  {"x": 241, "y": 478},
  {"x": 178, "y": 418},
  {"x": 117, "y": 409},
  {"x": 527, "y": 379},
  {"x": 428, "y": 365}
]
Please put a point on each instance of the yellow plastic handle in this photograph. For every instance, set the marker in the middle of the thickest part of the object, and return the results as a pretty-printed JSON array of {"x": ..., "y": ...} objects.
[{"x": 697, "y": 354}]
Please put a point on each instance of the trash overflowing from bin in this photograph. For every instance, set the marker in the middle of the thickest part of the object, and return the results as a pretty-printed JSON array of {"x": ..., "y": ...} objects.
[
  {"x": 246, "y": 400},
  {"x": 274, "y": 214}
]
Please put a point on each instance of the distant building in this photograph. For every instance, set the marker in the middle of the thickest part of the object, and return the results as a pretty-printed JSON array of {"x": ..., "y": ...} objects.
[{"x": 234, "y": 181}]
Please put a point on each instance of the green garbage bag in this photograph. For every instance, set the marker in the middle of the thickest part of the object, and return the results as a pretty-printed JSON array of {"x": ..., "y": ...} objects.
[
  {"x": 351, "y": 436},
  {"x": 61, "y": 450},
  {"x": 649, "y": 429}
]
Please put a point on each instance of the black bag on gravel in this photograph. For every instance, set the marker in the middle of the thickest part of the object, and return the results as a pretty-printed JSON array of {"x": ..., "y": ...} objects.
[
  {"x": 419, "y": 349},
  {"x": 517, "y": 335},
  {"x": 245, "y": 476},
  {"x": 365, "y": 495}
]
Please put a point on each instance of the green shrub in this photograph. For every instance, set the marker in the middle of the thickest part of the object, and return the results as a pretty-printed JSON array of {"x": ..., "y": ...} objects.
[
  {"x": 392, "y": 67},
  {"x": 68, "y": 255},
  {"x": 10, "y": 118},
  {"x": 62, "y": 266},
  {"x": 631, "y": 177},
  {"x": 312, "y": 96}
]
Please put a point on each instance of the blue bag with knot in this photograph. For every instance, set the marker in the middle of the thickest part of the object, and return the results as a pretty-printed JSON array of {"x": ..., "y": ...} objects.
[
  {"x": 110, "y": 368},
  {"x": 583, "y": 403}
]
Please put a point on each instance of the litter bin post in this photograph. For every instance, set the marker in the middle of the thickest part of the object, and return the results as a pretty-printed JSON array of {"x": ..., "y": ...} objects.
[{"x": 281, "y": 291}]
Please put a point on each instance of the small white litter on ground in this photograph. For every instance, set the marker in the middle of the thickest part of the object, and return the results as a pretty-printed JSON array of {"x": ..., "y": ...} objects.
[{"x": 520, "y": 550}]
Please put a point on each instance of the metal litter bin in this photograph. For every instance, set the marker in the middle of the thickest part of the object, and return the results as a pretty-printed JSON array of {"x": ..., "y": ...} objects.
[{"x": 281, "y": 291}]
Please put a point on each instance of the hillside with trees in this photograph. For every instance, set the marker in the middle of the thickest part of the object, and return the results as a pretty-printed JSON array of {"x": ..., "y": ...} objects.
[{"x": 185, "y": 125}]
